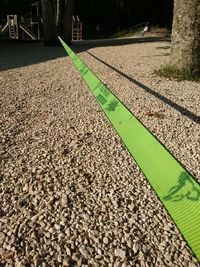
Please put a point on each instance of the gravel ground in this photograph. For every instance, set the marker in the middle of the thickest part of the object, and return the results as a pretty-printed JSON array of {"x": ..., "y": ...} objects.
[{"x": 70, "y": 193}]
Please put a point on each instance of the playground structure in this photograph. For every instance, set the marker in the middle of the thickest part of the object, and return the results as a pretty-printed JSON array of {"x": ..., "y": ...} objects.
[
  {"x": 29, "y": 26},
  {"x": 25, "y": 27},
  {"x": 17, "y": 28},
  {"x": 77, "y": 28}
]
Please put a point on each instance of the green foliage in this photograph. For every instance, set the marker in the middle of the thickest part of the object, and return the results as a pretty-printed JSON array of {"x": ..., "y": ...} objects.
[
  {"x": 120, "y": 4},
  {"x": 172, "y": 72},
  {"x": 127, "y": 32}
]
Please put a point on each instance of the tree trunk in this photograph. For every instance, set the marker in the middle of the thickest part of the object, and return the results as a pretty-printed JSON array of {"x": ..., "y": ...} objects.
[
  {"x": 59, "y": 17},
  {"x": 48, "y": 22},
  {"x": 67, "y": 20},
  {"x": 185, "y": 52}
]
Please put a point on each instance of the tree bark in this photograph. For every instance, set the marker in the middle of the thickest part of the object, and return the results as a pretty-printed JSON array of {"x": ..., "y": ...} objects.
[
  {"x": 185, "y": 52},
  {"x": 67, "y": 20},
  {"x": 59, "y": 17},
  {"x": 48, "y": 22}
]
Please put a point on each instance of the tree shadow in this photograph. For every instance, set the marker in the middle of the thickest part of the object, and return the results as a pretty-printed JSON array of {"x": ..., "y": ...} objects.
[
  {"x": 16, "y": 53},
  {"x": 185, "y": 189},
  {"x": 120, "y": 41},
  {"x": 169, "y": 102},
  {"x": 21, "y": 54},
  {"x": 163, "y": 47},
  {"x": 163, "y": 55}
]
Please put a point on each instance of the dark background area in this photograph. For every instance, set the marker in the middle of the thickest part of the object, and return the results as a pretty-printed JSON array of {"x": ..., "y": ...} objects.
[
  {"x": 110, "y": 15},
  {"x": 115, "y": 15},
  {"x": 12, "y": 7}
]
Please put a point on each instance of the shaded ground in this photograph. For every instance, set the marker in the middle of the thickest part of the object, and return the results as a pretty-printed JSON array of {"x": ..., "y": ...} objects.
[{"x": 16, "y": 53}]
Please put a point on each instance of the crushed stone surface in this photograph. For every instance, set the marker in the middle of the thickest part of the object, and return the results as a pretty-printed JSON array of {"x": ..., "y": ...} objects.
[{"x": 70, "y": 193}]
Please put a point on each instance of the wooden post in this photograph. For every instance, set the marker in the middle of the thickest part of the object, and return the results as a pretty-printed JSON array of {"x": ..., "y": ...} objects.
[
  {"x": 76, "y": 28},
  {"x": 16, "y": 27}
]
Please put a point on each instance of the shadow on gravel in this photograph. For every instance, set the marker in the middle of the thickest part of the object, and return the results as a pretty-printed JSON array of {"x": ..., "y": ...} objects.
[
  {"x": 169, "y": 102},
  {"x": 163, "y": 47},
  {"x": 16, "y": 53},
  {"x": 21, "y": 54},
  {"x": 163, "y": 55},
  {"x": 120, "y": 41}
]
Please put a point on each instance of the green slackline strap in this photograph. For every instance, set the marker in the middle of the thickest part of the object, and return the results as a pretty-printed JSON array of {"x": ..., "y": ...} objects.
[{"x": 176, "y": 188}]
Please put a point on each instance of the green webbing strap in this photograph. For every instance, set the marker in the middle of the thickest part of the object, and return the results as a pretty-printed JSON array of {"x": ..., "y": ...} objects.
[{"x": 176, "y": 188}]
